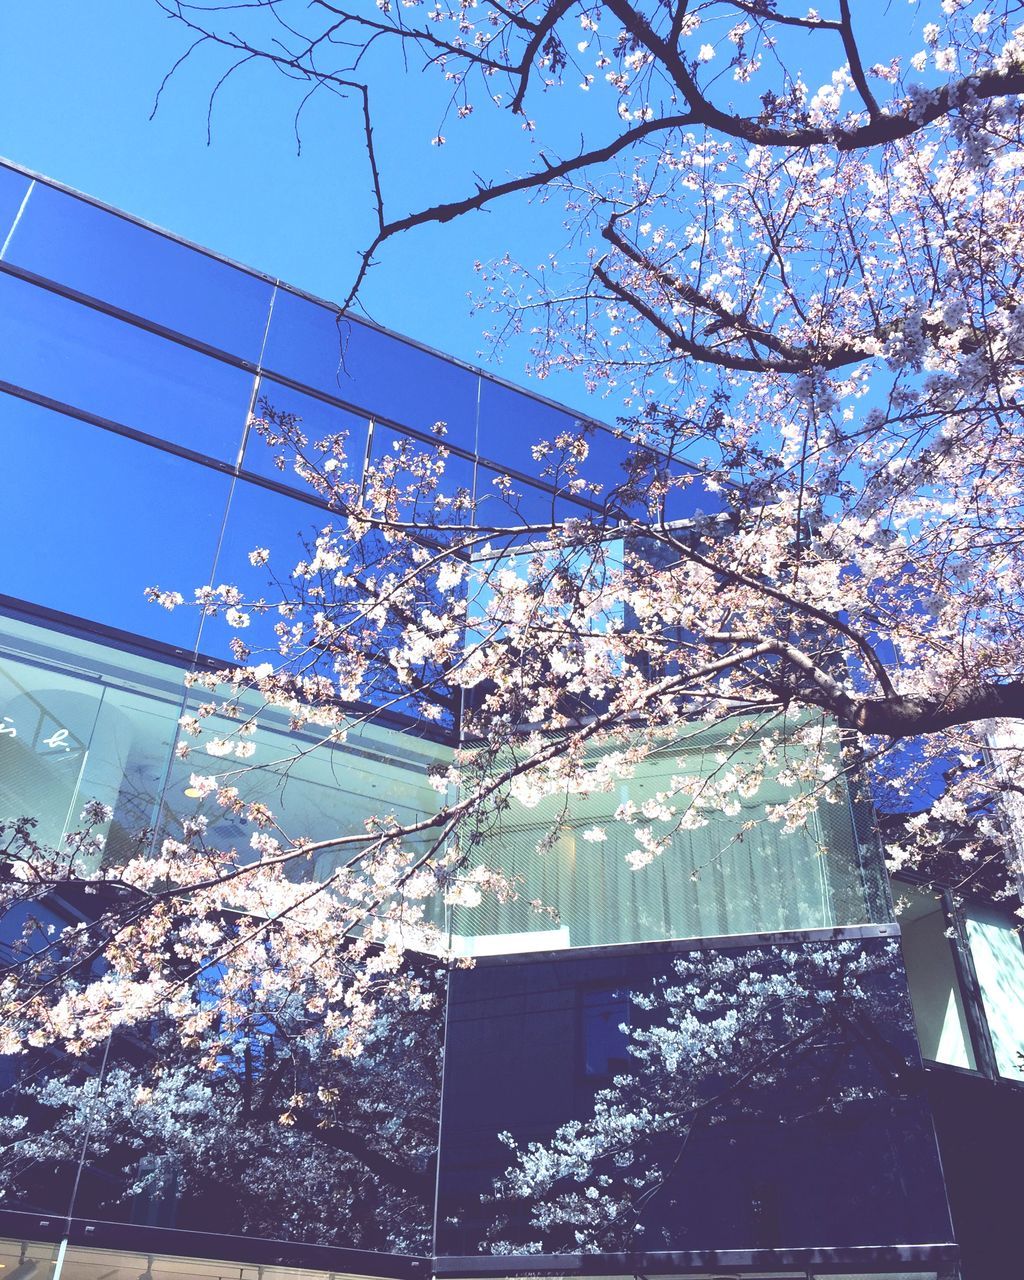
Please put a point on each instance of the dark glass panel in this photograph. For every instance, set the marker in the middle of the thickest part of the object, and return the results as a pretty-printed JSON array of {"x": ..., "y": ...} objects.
[
  {"x": 177, "y": 1144},
  {"x": 278, "y": 405},
  {"x": 372, "y": 369},
  {"x": 37, "y": 1172},
  {"x": 12, "y": 192},
  {"x": 72, "y": 353},
  {"x": 771, "y": 1099},
  {"x": 630, "y": 470},
  {"x": 99, "y": 253},
  {"x": 95, "y": 518}
]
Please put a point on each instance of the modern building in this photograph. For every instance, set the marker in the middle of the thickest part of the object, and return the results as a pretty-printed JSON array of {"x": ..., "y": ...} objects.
[{"x": 131, "y": 365}]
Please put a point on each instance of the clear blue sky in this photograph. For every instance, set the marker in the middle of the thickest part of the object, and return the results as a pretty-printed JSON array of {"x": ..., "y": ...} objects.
[{"x": 77, "y": 84}]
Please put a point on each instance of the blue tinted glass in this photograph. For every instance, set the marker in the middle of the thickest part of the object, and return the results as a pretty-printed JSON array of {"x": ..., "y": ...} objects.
[
  {"x": 512, "y": 423},
  {"x": 276, "y": 404},
  {"x": 96, "y": 518},
  {"x": 71, "y": 353},
  {"x": 755, "y": 1109},
  {"x": 286, "y": 527},
  {"x": 404, "y": 464},
  {"x": 607, "y": 464},
  {"x": 12, "y": 192},
  {"x": 106, "y": 256},
  {"x": 264, "y": 520},
  {"x": 502, "y": 501},
  {"x": 382, "y": 374}
]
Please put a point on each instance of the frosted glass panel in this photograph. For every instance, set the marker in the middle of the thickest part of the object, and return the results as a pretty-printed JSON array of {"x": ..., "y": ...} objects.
[
  {"x": 934, "y": 988},
  {"x": 999, "y": 962}
]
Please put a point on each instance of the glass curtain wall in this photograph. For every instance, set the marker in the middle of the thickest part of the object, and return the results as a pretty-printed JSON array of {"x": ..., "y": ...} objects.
[{"x": 130, "y": 368}]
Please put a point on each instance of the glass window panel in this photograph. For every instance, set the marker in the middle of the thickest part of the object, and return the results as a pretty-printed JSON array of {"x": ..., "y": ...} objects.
[
  {"x": 71, "y": 353},
  {"x": 46, "y": 727},
  {"x": 286, "y": 527},
  {"x": 12, "y": 192},
  {"x": 354, "y": 1168},
  {"x": 372, "y": 369},
  {"x": 737, "y": 873},
  {"x": 604, "y": 1016},
  {"x": 512, "y": 422},
  {"x": 502, "y": 501},
  {"x": 95, "y": 518},
  {"x": 102, "y": 254},
  {"x": 68, "y": 737},
  {"x": 999, "y": 962},
  {"x": 938, "y": 1003},
  {"x": 127, "y": 765},
  {"x": 417, "y": 503},
  {"x": 827, "y": 1146},
  {"x": 316, "y": 419},
  {"x": 315, "y": 791}
]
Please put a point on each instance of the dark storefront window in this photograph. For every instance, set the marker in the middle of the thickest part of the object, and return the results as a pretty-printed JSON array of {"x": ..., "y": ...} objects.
[{"x": 770, "y": 1100}]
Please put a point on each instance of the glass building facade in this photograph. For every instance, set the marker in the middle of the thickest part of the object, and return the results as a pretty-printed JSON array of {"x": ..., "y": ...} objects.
[{"x": 131, "y": 368}]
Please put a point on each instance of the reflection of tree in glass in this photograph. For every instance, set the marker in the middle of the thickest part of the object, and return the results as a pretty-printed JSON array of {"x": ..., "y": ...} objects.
[
  {"x": 281, "y": 1137},
  {"x": 727, "y": 1040}
]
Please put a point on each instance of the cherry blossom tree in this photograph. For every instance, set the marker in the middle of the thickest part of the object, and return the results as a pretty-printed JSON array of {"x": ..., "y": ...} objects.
[{"x": 800, "y": 293}]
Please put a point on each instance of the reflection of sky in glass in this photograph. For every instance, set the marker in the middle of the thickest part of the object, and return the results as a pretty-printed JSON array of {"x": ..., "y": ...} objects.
[
  {"x": 141, "y": 271},
  {"x": 259, "y": 517},
  {"x": 316, "y": 419},
  {"x": 371, "y": 369},
  {"x": 95, "y": 518},
  {"x": 12, "y": 192},
  {"x": 74, "y": 354}
]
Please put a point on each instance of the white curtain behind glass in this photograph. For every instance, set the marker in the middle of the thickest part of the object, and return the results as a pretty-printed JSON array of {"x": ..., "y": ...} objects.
[{"x": 738, "y": 874}]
